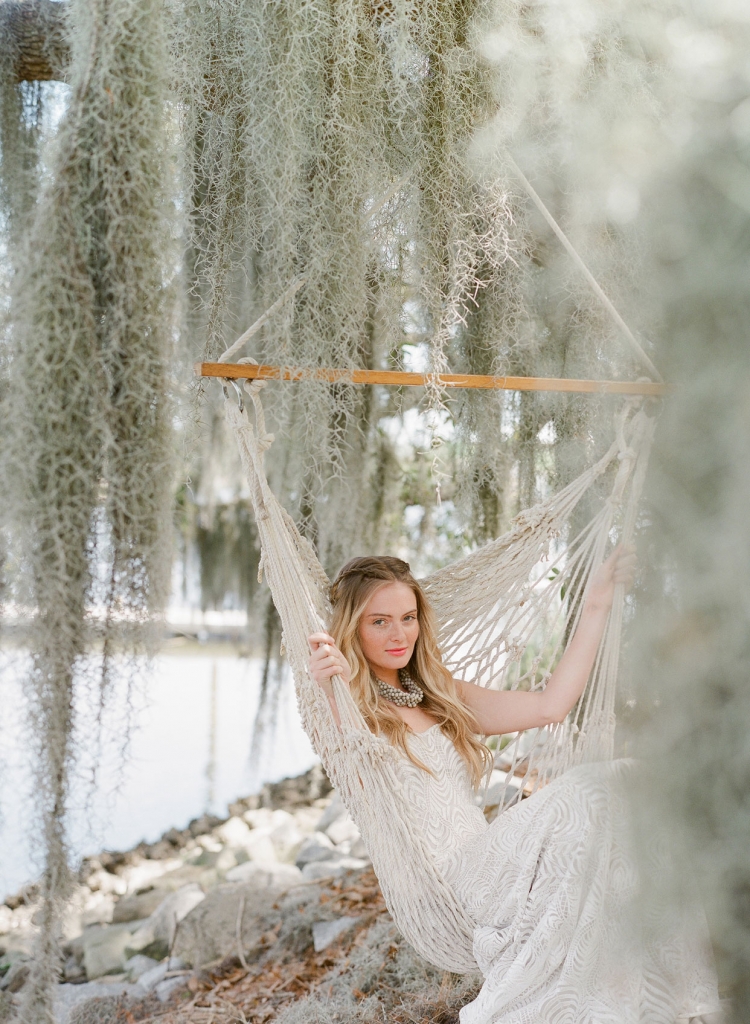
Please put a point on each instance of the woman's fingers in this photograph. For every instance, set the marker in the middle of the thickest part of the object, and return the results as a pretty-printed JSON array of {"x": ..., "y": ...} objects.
[
  {"x": 321, "y": 638},
  {"x": 321, "y": 674},
  {"x": 623, "y": 552},
  {"x": 326, "y": 654},
  {"x": 625, "y": 565},
  {"x": 326, "y": 660},
  {"x": 316, "y": 639},
  {"x": 619, "y": 567}
]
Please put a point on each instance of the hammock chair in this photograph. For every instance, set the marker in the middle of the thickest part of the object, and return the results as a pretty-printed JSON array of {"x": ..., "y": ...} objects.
[{"x": 505, "y": 613}]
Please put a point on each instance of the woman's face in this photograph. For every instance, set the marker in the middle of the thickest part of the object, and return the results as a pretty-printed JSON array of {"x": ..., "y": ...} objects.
[{"x": 388, "y": 628}]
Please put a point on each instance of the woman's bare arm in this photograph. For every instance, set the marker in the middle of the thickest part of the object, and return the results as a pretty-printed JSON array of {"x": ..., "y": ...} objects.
[{"x": 503, "y": 711}]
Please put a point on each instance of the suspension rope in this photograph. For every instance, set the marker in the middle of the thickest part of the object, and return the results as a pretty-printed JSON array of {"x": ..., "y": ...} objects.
[
  {"x": 292, "y": 290},
  {"x": 572, "y": 252}
]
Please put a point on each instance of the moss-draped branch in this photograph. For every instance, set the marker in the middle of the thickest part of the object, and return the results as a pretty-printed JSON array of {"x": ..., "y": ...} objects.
[{"x": 32, "y": 40}]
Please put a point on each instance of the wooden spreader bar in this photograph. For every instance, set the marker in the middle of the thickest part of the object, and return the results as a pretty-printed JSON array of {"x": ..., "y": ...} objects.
[{"x": 395, "y": 378}]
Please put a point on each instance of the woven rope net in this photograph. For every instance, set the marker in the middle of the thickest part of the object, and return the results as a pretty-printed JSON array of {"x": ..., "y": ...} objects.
[{"x": 519, "y": 594}]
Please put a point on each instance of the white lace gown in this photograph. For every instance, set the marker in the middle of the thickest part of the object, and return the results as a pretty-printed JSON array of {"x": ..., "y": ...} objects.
[{"x": 552, "y": 887}]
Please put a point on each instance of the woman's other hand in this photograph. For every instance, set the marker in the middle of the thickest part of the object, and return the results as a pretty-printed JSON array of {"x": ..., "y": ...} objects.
[
  {"x": 618, "y": 568},
  {"x": 326, "y": 660}
]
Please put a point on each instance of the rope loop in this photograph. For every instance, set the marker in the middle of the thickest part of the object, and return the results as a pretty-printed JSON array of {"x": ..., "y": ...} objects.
[{"x": 253, "y": 388}]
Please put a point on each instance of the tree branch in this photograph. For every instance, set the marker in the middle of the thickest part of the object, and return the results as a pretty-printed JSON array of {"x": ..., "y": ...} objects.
[{"x": 32, "y": 40}]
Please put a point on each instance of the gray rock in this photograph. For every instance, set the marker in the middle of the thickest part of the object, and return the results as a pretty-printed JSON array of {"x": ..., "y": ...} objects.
[
  {"x": 156, "y": 975},
  {"x": 235, "y": 833},
  {"x": 7, "y": 1009},
  {"x": 343, "y": 830},
  {"x": 166, "y": 989},
  {"x": 266, "y": 876},
  {"x": 99, "y": 909},
  {"x": 145, "y": 943},
  {"x": 156, "y": 936},
  {"x": 174, "y": 908},
  {"x": 317, "y": 847},
  {"x": 137, "y": 907},
  {"x": 260, "y": 847},
  {"x": 358, "y": 849},
  {"x": 74, "y": 947},
  {"x": 290, "y": 793},
  {"x": 287, "y": 840},
  {"x": 69, "y": 996},
  {"x": 137, "y": 966},
  {"x": 104, "y": 949},
  {"x": 144, "y": 873},
  {"x": 320, "y": 869},
  {"x": 73, "y": 971},
  {"x": 10, "y": 957},
  {"x": 203, "y": 825},
  {"x": 19, "y": 942},
  {"x": 332, "y": 812},
  {"x": 209, "y": 932},
  {"x": 260, "y": 818},
  {"x": 326, "y": 932},
  {"x": 15, "y": 978},
  {"x": 306, "y": 818},
  {"x": 222, "y": 859},
  {"x": 177, "y": 877}
]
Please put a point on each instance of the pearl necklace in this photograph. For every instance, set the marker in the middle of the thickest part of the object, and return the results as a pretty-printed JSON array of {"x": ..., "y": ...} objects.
[{"x": 410, "y": 699}]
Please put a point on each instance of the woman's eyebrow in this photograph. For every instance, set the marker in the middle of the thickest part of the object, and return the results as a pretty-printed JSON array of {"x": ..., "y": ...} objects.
[{"x": 389, "y": 615}]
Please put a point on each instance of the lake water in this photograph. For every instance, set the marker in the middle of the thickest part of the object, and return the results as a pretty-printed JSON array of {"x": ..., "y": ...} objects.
[{"x": 188, "y": 752}]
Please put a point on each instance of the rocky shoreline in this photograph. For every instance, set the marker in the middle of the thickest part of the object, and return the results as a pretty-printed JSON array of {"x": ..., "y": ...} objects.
[
  {"x": 155, "y": 930},
  {"x": 136, "y": 924}
]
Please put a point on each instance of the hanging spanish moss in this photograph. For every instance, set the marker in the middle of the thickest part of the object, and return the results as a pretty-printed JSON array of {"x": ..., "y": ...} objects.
[
  {"x": 20, "y": 115},
  {"x": 85, "y": 418},
  {"x": 28, "y": 60},
  {"x": 337, "y": 146},
  {"x": 694, "y": 660},
  {"x": 329, "y": 145}
]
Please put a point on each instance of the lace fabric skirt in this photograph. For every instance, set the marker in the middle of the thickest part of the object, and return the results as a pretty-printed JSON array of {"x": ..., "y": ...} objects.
[{"x": 564, "y": 933}]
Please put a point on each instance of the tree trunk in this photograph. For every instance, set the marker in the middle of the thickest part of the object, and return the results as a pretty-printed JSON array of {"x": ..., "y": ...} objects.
[{"x": 32, "y": 40}]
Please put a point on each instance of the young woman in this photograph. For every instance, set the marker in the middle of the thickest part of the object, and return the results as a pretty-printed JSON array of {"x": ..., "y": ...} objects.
[{"x": 551, "y": 883}]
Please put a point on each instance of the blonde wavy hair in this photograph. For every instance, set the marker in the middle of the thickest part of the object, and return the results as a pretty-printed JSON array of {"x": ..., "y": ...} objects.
[{"x": 350, "y": 592}]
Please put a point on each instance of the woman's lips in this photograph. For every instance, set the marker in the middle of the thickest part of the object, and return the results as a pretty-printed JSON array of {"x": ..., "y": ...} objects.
[{"x": 396, "y": 651}]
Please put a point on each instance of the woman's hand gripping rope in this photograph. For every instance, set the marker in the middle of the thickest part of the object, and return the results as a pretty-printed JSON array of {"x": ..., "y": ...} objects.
[
  {"x": 618, "y": 568},
  {"x": 327, "y": 661}
]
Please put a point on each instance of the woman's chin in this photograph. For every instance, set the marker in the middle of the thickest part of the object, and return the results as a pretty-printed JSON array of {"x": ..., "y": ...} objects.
[{"x": 393, "y": 662}]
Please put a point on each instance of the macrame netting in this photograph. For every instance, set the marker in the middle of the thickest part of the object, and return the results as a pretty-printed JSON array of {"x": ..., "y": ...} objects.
[{"x": 521, "y": 594}]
